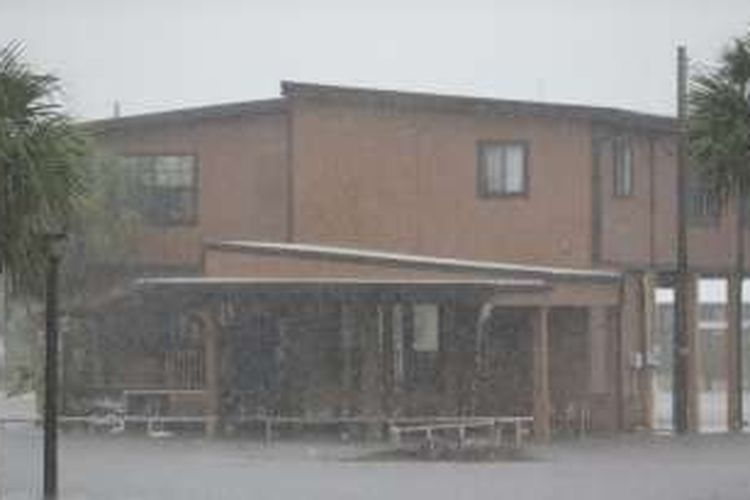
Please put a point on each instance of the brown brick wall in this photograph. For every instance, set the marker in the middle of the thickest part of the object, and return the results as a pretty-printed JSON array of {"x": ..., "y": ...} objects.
[
  {"x": 641, "y": 230},
  {"x": 407, "y": 181},
  {"x": 242, "y": 180}
]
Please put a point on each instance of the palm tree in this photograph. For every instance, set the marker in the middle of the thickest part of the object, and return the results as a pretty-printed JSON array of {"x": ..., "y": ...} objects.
[
  {"x": 719, "y": 135},
  {"x": 40, "y": 164},
  {"x": 102, "y": 250}
]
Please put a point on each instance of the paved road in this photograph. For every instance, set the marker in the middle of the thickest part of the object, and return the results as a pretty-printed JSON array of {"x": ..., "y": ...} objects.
[{"x": 713, "y": 467}]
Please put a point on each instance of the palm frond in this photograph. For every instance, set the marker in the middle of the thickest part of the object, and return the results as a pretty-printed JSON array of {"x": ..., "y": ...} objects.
[
  {"x": 41, "y": 177},
  {"x": 719, "y": 123}
]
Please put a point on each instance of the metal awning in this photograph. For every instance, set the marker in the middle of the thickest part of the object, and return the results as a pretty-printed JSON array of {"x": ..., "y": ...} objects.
[{"x": 478, "y": 268}]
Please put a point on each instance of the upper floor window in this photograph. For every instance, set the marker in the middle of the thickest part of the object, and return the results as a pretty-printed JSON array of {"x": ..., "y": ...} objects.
[
  {"x": 503, "y": 169},
  {"x": 168, "y": 188},
  {"x": 703, "y": 206},
  {"x": 623, "y": 160}
]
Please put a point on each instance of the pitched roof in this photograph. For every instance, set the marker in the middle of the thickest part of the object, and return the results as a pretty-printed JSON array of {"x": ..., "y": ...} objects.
[
  {"x": 477, "y": 105},
  {"x": 268, "y": 106},
  {"x": 358, "y": 96}
]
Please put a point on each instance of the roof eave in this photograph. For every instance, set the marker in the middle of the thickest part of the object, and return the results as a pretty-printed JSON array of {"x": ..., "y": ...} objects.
[
  {"x": 476, "y": 105},
  {"x": 184, "y": 116},
  {"x": 415, "y": 262}
]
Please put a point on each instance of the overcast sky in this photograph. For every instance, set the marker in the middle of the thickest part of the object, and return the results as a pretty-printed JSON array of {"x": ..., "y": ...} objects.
[{"x": 161, "y": 54}]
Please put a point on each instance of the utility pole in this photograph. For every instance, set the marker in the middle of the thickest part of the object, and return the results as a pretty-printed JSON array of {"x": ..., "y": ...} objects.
[
  {"x": 50, "y": 366},
  {"x": 681, "y": 341}
]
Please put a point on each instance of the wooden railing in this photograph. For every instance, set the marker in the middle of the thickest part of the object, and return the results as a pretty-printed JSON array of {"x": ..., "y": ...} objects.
[
  {"x": 185, "y": 369},
  {"x": 431, "y": 429}
]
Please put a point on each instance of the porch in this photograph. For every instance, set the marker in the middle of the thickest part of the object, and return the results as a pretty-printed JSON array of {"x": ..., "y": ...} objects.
[{"x": 355, "y": 355}]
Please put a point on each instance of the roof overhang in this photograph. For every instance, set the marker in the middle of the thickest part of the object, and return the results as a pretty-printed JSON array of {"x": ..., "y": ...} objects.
[
  {"x": 391, "y": 99},
  {"x": 190, "y": 115}
]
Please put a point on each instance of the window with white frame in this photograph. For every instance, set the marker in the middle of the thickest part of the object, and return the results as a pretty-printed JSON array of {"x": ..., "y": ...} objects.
[{"x": 503, "y": 168}]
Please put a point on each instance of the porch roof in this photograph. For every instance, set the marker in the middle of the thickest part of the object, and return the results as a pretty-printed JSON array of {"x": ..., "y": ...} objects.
[{"x": 476, "y": 268}]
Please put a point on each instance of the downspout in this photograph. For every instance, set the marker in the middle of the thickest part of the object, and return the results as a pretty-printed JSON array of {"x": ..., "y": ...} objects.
[
  {"x": 289, "y": 132},
  {"x": 596, "y": 196},
  {"x": 485, "y": 312},
  {"x": 651, "y": 201}
]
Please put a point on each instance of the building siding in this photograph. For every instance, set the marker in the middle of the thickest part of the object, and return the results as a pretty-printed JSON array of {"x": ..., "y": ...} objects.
[
  {"x": 392, "y": 177},
  {"x": 242, "y": 185},
  {"x": 406, "y": 181},
  {"x": 639, "y": 231}
]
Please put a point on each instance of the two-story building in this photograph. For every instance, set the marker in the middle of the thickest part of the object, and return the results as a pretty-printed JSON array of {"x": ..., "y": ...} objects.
[{"x": 345, "y": 251}]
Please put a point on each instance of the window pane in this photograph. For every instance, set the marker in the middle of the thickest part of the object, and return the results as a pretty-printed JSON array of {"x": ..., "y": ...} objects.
[
  {"x": 174, "y": 171},
  {"x": 623, "y": 168},
  {"x": 187, "y": 207},
  {"x": 493, "y": 164},
  {"x": 703, "y": 205},
  {"x": 167, "y": 188},
  {"x": 503, "y": 168},
  {"x": 627, "y": 170},
  {"x": 514, "y": 171},
  {"x": 426, "y": 328}
]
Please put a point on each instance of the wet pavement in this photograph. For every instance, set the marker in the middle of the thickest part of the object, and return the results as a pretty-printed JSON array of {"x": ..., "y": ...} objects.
[
  {"x": 105, "y": 467},
  {"x": 131, "y": 468}
]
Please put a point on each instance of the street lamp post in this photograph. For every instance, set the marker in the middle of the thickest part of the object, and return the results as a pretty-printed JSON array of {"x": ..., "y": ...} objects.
[
  {"x": 681, "y": 342},
  {"x": 53, "y": 249}
]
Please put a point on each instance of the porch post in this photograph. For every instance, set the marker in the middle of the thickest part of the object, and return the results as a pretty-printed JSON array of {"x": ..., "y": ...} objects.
[
  {"x": 448, "y": 378},
  {"x": 646, "y": 327},
  {"x": 542, "y": 410},
  {"x": 387, "y": 358},
  {"x": 601, "y": 387},
  {"x": 211, "y": 374},
  {"x": 692, "y": 366},
  {"x": 368, "y": 326},
  {"x": 734, "y": 319},
  {"x": 347, "y": 347}
]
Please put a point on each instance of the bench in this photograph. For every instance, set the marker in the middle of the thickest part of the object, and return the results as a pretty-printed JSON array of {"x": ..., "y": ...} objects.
[{"x": 455, "y": 433}]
